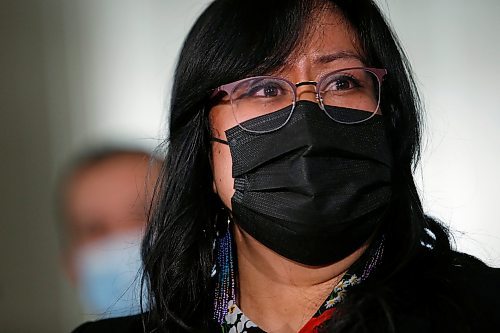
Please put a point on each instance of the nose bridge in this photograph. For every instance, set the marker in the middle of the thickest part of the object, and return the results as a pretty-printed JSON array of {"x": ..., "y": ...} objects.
[{"x": 306, "y": 90}]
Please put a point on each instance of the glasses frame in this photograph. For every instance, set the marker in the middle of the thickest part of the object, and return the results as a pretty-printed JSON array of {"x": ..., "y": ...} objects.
[{"x": 228, "y": 89}]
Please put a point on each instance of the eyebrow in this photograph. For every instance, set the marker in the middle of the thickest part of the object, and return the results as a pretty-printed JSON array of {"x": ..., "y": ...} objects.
[{"x": 327, "y": 58}]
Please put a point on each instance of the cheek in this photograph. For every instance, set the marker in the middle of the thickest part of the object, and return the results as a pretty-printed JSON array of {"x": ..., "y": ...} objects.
[{"x": 222, "y": 169}]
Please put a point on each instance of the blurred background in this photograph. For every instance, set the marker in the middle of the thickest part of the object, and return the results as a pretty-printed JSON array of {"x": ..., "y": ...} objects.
[{"x": 84, "y": 73}]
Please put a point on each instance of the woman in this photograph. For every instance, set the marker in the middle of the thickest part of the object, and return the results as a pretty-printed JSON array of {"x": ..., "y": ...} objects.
[{"x": 289, "y": 203}]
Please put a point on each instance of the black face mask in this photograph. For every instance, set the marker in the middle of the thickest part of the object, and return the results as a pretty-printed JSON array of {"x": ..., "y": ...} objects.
[{"x": 315, "y": 190}]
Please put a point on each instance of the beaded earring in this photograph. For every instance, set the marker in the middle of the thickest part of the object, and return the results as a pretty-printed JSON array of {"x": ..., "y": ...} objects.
[
  {"x": 224, "y": 273},
  {"x": 376, "y": 255}
]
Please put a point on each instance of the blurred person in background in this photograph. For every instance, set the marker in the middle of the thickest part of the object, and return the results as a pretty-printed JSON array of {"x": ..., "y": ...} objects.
[{"x": 103, "y": 204}]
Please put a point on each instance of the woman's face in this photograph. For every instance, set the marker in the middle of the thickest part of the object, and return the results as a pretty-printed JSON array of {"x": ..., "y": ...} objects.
[{"x": 330, "y": 46}]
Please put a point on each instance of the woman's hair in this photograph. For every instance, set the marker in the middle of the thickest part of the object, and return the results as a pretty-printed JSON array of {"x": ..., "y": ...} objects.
[{"x": 236, "y": 39}]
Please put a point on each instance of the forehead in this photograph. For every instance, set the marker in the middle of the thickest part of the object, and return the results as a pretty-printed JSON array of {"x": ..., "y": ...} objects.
[
  {"x": 121, "y": 166},
  {"x": 327, "y": 39},
  {"x": 118, "y": 178}
]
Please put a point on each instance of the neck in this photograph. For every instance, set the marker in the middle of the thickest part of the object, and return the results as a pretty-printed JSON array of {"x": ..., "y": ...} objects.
[{"x": 280, "y": 295}]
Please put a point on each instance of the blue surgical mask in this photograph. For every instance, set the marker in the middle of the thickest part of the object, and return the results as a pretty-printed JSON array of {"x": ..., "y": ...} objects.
[{"x": 109, "y": 275}]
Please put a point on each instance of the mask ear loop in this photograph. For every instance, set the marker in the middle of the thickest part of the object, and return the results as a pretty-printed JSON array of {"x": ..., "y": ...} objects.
[
  {"x": 219, "y": 140},
  {"x": 224, "y": 273}
]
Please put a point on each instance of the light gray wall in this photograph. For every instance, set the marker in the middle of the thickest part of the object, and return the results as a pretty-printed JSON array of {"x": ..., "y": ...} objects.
[
  {"x": 29, "y": 277},
  {"x": 79, "y": 73},
  {"x": 454, "y": 47}
]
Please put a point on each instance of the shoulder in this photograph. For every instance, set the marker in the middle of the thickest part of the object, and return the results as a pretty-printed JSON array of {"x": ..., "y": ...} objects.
[
  {"x": 128, "y": 324},
  {"x": 141, "y": 323},
  {"x": 454, "y": 290},
  {"x": 478, "y": 284}
]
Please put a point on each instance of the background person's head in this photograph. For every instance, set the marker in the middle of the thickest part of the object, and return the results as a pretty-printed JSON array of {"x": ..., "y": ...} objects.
[{"x": 103, "y": 203}]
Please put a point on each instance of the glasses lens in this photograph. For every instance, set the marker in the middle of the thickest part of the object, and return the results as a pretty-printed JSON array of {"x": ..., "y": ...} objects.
[
  {"x": 351, "y": 95},
  {"x": 262, "y": 96}
]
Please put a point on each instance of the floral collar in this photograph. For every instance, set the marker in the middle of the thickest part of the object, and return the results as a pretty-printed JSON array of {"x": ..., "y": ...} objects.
[{"x": 237, "y": 322}]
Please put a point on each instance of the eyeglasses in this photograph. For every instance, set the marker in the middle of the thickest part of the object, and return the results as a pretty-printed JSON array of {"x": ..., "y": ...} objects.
[{"x": 347, "y": 96}]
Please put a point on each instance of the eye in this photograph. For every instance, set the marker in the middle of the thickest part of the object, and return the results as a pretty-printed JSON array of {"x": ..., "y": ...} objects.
[
  {"x": 342, "y": 82},
  {"x": 267, "y": 89},
  {"x": 270, "y": 91}
]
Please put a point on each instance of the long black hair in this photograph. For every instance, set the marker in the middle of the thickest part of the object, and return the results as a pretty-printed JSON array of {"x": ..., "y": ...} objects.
[{"x": 236, "y": 39}]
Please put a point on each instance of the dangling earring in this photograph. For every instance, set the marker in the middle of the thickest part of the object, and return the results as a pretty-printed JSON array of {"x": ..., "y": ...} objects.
[
  {"x": 376, "y": 257},
  {"x": 224, "y": 273}
]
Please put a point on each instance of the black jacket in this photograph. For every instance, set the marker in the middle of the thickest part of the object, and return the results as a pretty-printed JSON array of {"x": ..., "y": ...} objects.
[{"x": 473, "y": 290}]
